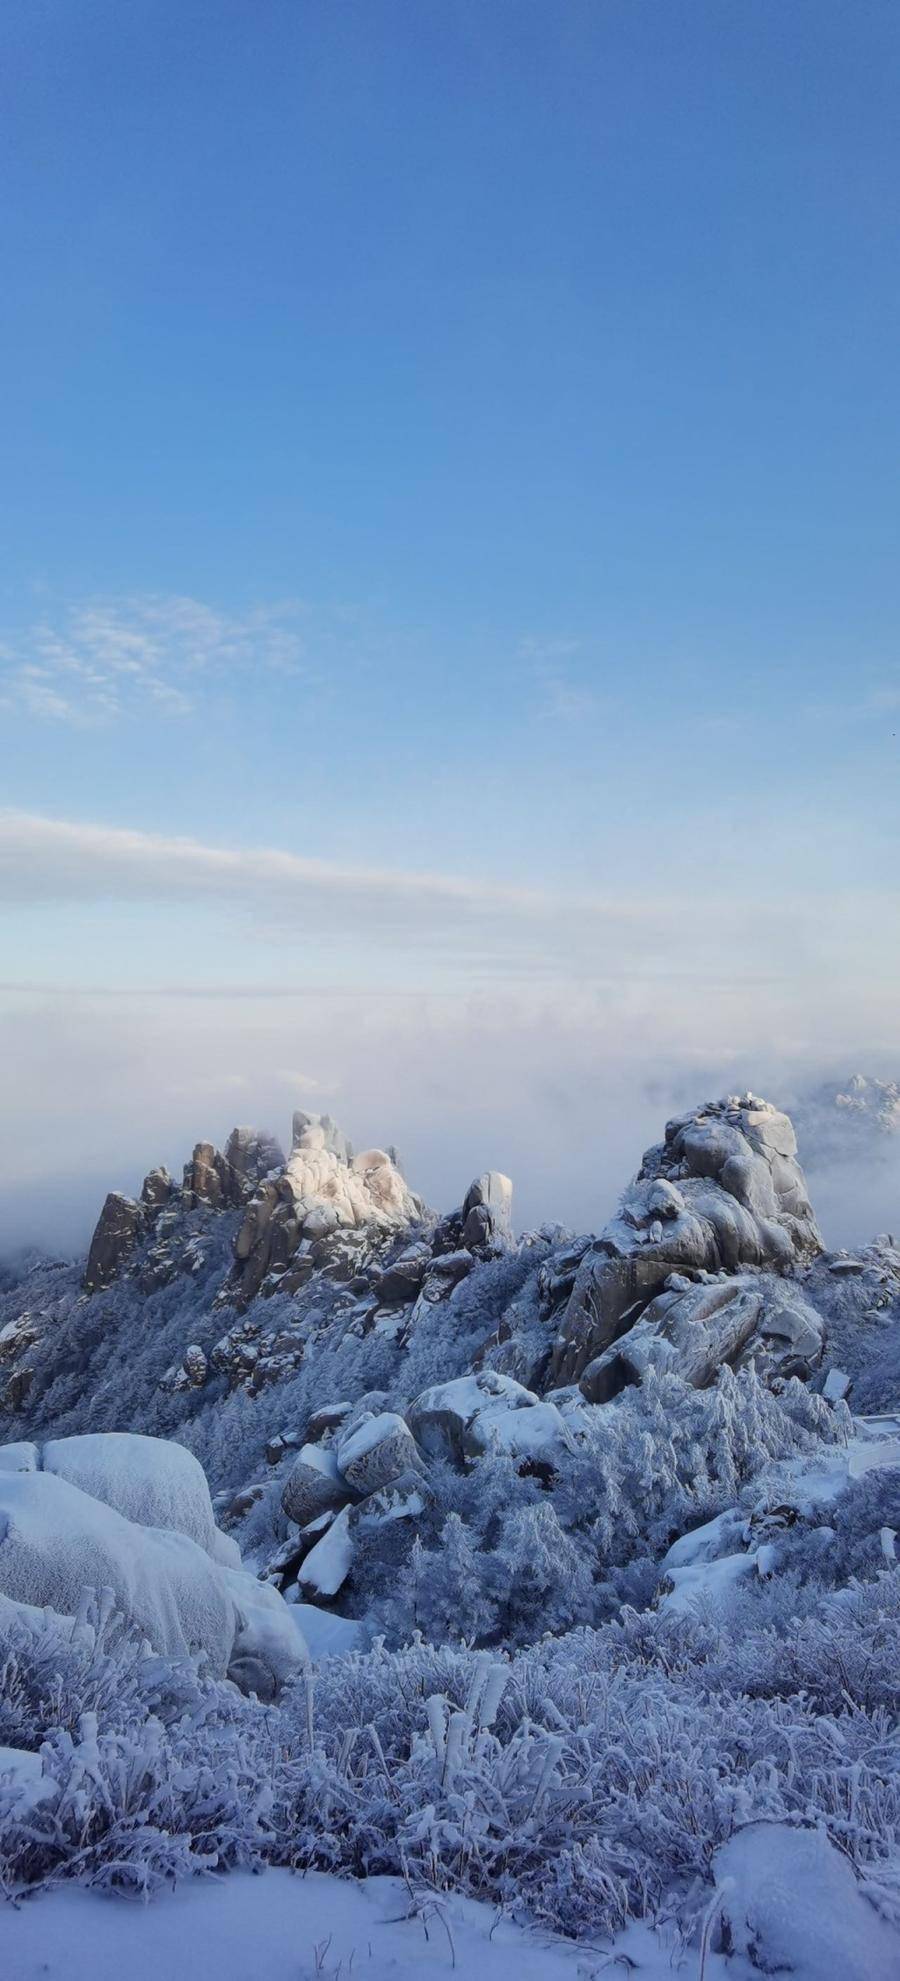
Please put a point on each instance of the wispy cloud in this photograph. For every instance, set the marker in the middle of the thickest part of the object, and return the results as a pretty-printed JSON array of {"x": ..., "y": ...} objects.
[
  {"x": 94, "y": 662},
  {"x": 561, "y": 679}
]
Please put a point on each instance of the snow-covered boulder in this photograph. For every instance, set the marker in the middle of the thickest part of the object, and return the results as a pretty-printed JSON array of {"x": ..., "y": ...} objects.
[
  {"x": 149, "y": 1480},
  {"x": 56, "y": 1540},
  {"x": 376, "y": 1451},
  {"x": 790, "y": 1903},
  {"x": 327, "y": 1566},
  {"x": 60, "y": 1535},
  {"x": 268, "y": 1646},
  {"x": 722, "y": 1192},
  {"x": 313, "y": 1485},
  {"x": 326, "y": 1419},
  {"x": 474, "y": 1414}
]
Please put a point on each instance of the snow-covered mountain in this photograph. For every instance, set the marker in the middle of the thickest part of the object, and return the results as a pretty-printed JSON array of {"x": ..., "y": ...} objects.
[
  {"x": 589, "y": 1556},
  {"x": 837, "y": 1121}
]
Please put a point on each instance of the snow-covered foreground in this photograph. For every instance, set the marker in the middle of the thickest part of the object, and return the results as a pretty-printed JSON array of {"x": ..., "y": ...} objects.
[
  {"x": 288, "y": 1928},
  {"x": 280, "y": 1927}
]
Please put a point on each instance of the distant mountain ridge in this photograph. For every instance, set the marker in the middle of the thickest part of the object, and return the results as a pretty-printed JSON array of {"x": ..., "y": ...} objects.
[{"x": 837, "y": 1119}]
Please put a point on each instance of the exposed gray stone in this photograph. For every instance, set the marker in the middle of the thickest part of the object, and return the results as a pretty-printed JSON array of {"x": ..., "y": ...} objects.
[
  {"x": 487, "y": 1212},
  {"x": 157, "y": 1189},
  {"x": 120, "y": 1224},
  {"x": 378, "y": 1450},
  {"x": 313, "y": 1485}
]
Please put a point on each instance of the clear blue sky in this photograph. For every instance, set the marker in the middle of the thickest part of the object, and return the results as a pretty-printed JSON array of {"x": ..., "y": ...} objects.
[{"x": 455, "y": 438}]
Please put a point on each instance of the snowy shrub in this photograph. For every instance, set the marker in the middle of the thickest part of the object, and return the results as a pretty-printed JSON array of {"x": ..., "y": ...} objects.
[
  {"x": 589, "y": 1777},
  {"x": 150, "y": 1772},
  {"x": 610, "y": 1766}
]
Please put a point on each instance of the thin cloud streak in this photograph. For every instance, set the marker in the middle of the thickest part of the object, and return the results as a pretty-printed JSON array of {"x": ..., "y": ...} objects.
[{"x": 443, "y": 921}]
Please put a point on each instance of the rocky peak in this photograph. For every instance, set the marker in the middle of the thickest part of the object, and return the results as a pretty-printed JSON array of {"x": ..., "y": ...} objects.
[
  {"x": 722, "y": 1191},
  {"x": 120, "y": 1224},
  {"x": 224, "y": 1182},
  {"x": 321, "y": 1191}
]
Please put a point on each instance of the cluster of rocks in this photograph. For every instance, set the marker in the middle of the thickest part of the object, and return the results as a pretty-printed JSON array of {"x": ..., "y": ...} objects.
[
  {"x": 710, "y": 1261},
  {"x": 359, "y": 1485},
  {"x": 212, "y": 1181},
  {"x": 377, "y": 1256},
  {"x": 321, "y": 1191}
]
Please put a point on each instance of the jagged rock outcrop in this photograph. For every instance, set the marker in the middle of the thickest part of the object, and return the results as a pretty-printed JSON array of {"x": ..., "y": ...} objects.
[
  {"x": 723, "y": 1191},
  {"x": 212, "y": 1181},
  {"x": 487, "y": 1212},
  {"x": 225, "y": 1181},
  {"x": 157, "y": 1189}
]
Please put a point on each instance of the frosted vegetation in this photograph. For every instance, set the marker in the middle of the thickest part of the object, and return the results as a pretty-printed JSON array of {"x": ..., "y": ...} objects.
[{"x": 550, "y": 1652}]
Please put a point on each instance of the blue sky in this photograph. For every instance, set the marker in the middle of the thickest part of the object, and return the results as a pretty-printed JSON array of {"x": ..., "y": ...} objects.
[{"x": 449, "y": 451}]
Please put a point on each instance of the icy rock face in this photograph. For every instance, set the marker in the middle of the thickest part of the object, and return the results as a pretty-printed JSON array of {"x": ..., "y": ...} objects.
[{"x": 723, "y": 1191}]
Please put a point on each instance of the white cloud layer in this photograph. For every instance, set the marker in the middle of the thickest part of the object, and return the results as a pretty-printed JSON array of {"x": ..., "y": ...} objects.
[
  {"x": 768, "y": 947},
  {"x": 156, "y": 989}
]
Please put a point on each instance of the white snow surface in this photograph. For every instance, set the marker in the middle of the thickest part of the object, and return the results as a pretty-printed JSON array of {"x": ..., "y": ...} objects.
[
  {"x": 56, "y": 1540},
  {"x": 324, "y": 1634},
  {"x": 793, "y": 1901},
  {"x": 281, "y": 1927},
  {"x": 21, "y": 1457},
  {"x": 328, "y": 1564},
  {"x": 151, "y": 1480}
]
